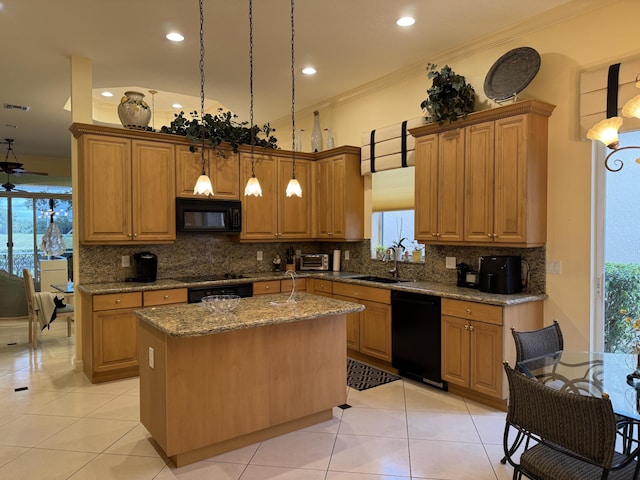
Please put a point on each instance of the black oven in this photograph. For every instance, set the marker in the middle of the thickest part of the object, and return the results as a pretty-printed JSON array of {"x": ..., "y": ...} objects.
[
  {"x": 204, "y": 215},
  {"x": 241, "y": 289}
]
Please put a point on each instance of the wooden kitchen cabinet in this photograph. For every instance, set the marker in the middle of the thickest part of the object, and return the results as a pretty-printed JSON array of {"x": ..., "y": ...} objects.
[
  {"x": 274, "y": 216},
  {"x": 320, "y": 287},
  {"x": 339, "y": 195},
  {"x": 439, "y": 192},
  {"x": 224, "y": 172},
  {"x": 476, "y": 339},
  {"x": 127, "y": 190},
  {"x": 484, "y": 179},
  {"x": 278, "y": 286}
]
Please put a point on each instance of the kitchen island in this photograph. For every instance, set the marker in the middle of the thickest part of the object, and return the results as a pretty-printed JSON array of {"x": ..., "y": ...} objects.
[{"x": 211, "y": 383}]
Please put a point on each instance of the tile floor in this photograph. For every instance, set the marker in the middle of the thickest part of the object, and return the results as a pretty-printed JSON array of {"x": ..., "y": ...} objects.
[{"x": 63, "y": 427}]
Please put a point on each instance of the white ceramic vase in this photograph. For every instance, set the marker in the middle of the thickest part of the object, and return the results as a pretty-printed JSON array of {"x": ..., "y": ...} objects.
[{"x": 134, "y": 111}]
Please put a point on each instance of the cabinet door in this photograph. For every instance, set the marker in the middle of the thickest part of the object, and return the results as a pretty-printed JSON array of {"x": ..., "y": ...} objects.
[
  {"x": 294, "y": 213},
  {"x": 188, "y": 169},
  {"x": 260, "y": 214},
  {"x": 339, "y": 211},
  {"x": 479, "y": 183},
  {"x": 375, "y": 330},
  {"x": 324, "y": 199},
  {"x": 511, "y": 180},
  {"x": 105, "y": 189},
  {"x": 426, "y": 188},
  {"x": 353, "y": 325},
  {"x": 455, "y": 350},
  {"x": 486, "y": 358},
  {"x": 450, "y": 186},
  {"x": 153, "y": 191},
  {"x": 225, "y": 175},
  {"x": 115, "y": 339}
]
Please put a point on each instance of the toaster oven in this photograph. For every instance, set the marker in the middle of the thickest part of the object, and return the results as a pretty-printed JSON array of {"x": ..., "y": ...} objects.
[{"x": 314, "y": 261}]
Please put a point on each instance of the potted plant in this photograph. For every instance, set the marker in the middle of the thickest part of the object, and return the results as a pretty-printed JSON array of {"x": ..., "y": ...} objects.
[
  {"x": 449, "y": 96},
  {"x": 379, "y": 252},
  {"x": 219, "y": 128},
  {"x": 416, "y": 253}
]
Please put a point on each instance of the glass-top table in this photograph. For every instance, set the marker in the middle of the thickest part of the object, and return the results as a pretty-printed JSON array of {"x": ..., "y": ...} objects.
[
  {"x": 63, "y": 287},
  {"x": 590, "y": 373}
]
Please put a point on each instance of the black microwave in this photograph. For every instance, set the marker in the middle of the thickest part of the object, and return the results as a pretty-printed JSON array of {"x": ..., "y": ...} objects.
[{"x": 204, "y": 215}]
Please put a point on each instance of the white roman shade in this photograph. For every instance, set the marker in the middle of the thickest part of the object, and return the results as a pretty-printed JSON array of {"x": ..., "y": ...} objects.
[
  {"x": 389, "y": 147},
  {"x": 593, "y": 94},
  {"x": 393, "y": 190}
]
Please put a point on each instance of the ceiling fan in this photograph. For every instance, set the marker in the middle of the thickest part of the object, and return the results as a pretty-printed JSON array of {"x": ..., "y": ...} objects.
[{"x": 13, "y": 167}]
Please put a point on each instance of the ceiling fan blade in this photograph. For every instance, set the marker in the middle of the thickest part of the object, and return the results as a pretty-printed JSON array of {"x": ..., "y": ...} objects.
[{"x": 8, "y": 186}]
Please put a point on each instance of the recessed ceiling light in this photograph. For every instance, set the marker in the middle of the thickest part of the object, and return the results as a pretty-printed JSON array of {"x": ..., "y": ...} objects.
[
  {"x": 175, "y": 37},
  {"x": 107, "y": 94},
  {"x": 176, "y": 105},
  {"x": 405, "y": 21},
  {"x": 309, "y": 71}
]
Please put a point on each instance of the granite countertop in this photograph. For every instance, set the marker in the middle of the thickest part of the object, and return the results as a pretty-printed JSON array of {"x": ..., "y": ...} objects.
[
  {"x": 443, "y": 290},
  {"x": 190, "y": 320}
]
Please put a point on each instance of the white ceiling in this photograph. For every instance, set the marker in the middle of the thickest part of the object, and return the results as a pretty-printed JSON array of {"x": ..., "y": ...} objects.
[{"x": 350, "y": 42}]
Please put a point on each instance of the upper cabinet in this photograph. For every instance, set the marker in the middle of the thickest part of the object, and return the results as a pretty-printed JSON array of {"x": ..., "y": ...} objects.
[
  {"x": 126, "y": 188},
  {"x": 223, "y": 170},
  {"x": 484, "y": 179},
  {"x": 339, "y": 195}
]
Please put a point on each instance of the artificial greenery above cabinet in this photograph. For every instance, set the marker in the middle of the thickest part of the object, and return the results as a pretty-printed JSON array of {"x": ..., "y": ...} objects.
[{"x": 483, "y": 180}]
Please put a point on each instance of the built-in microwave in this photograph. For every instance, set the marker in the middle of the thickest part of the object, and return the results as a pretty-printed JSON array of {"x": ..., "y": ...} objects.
[{"x": 204, "y": 215}]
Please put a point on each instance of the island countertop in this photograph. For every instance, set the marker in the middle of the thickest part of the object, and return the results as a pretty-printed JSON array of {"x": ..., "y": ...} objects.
[{"x": 190, "y": 320}]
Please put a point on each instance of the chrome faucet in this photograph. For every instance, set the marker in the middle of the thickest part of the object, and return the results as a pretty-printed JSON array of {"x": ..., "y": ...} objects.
[{"x": 394, "y": 270}]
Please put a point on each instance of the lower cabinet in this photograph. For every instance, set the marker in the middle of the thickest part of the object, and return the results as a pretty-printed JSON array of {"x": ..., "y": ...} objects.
[
  {"x": 278, "y": 286},
  {"x": 110, "y": 331},
  {"x": 476, "y": 339}
]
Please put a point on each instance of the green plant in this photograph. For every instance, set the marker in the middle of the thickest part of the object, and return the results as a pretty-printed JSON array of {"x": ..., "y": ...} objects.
[
  {"x": 449, "y": 96},
  {"x": 622, "y": 302},
  {"x": 219, "y": 128}
]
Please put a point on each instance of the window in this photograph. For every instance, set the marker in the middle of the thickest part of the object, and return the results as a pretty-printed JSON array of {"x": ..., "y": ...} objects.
[{"x": 389, "y": 228}]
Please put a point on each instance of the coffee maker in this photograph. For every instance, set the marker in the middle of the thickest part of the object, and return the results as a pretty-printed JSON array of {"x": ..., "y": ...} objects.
[
  {"x": 501, "y": 274},
  {"x": 146, "y": 266}
]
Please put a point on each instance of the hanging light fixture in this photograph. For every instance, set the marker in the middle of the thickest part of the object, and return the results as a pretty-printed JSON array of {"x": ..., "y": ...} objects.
[
  {"x": 606, "y": 131},
  {"x": 203, "y": 184},
  {"x": 253, "y": 185},
  {"x": 293, "y": 188}
]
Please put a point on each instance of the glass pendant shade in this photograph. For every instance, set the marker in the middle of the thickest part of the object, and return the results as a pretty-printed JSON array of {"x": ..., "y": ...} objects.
[
  {"x": 203, "y": 186},
  {"x": 606, "y": 131},
  {"x": 632, "y": 108},
  {"x": 253, "y": 187},
  {"x": 294, "y": 189}
]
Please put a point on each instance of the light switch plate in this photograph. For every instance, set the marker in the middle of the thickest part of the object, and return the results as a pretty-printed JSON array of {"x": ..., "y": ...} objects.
[
  {"x": 450, "y": 262},
  {"x": 259, "y": 255},
  {"x": 554, "y": 267},
  {"x": 125, "y": 260},
  {"x": 346, "y": 255}
]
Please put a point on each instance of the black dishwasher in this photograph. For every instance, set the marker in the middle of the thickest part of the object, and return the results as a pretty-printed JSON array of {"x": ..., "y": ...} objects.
[{"x": 415, "y": 337}]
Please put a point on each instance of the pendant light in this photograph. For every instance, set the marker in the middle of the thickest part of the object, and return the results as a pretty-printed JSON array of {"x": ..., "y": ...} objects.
[
  {"x": 293, "y": 188},
  {"x": 203, "y": 184},
  {"x": 253, "y": 185}
]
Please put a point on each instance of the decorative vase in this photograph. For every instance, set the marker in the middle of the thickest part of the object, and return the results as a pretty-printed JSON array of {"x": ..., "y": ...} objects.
[
  {"x": 298, "y": 141},
  {"x": 134, "y": 111},
  {"x": 330, "y": 143},
  {"x": 316, "y": 133}
]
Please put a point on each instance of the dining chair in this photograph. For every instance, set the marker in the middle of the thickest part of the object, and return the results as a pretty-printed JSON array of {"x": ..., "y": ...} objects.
[
  {"x": 61, "y": 312},
  {"x": 566, "y": 436}
]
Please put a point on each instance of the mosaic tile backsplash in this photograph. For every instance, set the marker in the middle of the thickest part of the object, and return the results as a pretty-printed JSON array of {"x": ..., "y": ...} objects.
[{"x": 204, "y": 254}]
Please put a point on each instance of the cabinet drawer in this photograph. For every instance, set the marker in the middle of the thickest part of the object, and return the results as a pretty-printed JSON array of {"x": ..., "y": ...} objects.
[
  {"x": 472, "y": 311},
  {"x": 272, "y": 286},
  {"x": 322, "y": 286},
  {"x": 286, "y": 285},
  {"x": 113, "y": 301},
  {"x": 380, "y": 295},
  {"x": 164, "y": 297}
]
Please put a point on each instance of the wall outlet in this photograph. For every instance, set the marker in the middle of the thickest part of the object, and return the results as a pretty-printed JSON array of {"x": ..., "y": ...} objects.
[
  {"x": 152, "y": 360},
  {"x": 125, "y": 260},
  {"x": 450, "y": 262},
  {"x": 346, "y": 255},
  {"x": 259, "y": 255}
]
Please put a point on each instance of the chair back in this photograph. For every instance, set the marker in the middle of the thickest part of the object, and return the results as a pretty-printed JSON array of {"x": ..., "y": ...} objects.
[
  {"x": 583, "y": 426},
  {"x": 30, "y": 291},
  {"x": 538, "y": 342}
]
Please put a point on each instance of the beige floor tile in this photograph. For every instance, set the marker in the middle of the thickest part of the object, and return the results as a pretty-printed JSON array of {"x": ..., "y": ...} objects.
[
  {"x": 202, "y": 470},
  {"x": 374, "y": 421},
  {"x": 118, "y": 467},
  {"x": 26, "y": 401},
  {"x": 45, "y": 464},
  {"x": 137, "y": 441},
  {"x": 116, "y": 387},
  {"x": 360, "y": 476},
  {"x": 447, "y": 427},
  {"x": 259, "y": 472},
  {"x": 450, "y": 460},
  {"x": 9, "y": 453},
  {"x": 495, "y": 453},
  {"x": 30, "y": 430},
  {"x": 476, "y": 408},
  {"x": 89, "y": 435},
  {"x": 330, "y": 426},
  {"x": 367, "y": 454},
  {"x": 310, "y": 450},
  {"x": 74, "y": 404},
  {"x": 123, "y": 407},
  {"x": 490, "y": 427},
  {"x": 241, "y": 455},
  {"x": 423, "y": 398},
  {"x": 389, "y": 395}
]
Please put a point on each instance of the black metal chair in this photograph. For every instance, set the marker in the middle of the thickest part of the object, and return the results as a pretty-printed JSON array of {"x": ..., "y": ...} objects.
[{"x": 566, "y": 436}]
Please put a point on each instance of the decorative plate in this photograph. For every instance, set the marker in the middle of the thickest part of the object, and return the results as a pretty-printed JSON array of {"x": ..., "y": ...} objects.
[{"x": 511, "y": 73}]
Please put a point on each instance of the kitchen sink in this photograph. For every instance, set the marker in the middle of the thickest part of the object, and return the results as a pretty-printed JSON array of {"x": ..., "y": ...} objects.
[{"x": 373, "y": 278}]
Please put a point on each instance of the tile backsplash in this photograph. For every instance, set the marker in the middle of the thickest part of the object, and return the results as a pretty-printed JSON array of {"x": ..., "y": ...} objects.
[{"x": 205, "y": 254}]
